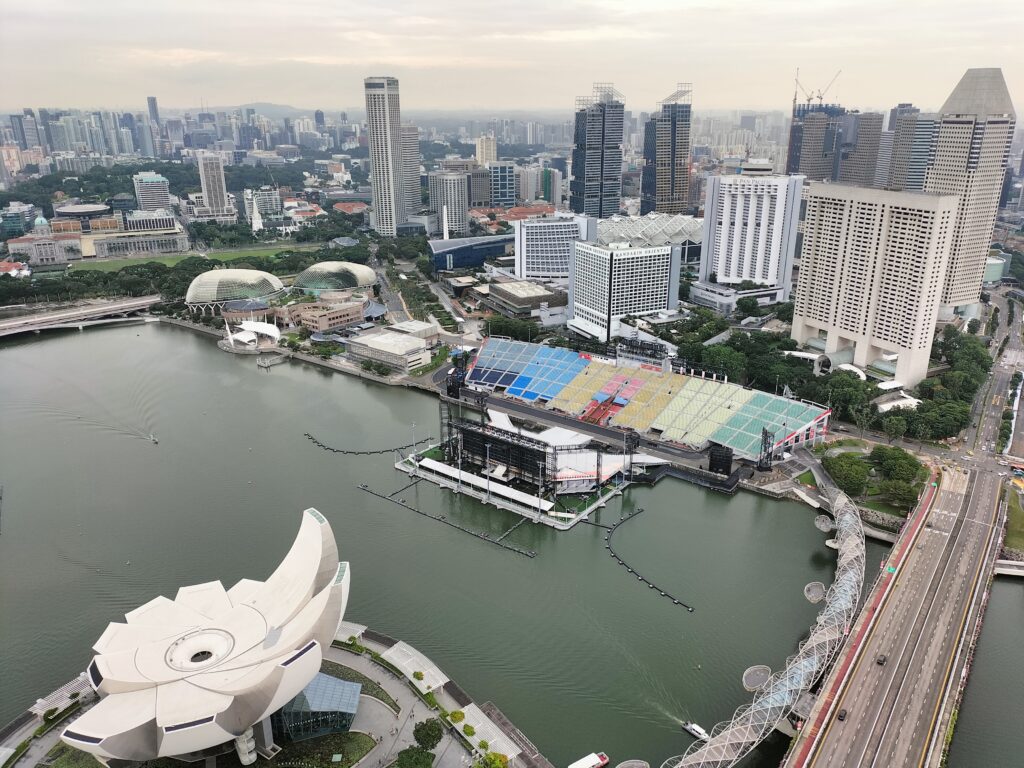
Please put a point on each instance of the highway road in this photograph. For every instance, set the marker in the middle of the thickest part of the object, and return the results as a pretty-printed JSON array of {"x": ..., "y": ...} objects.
[{"x": 919, "y": 617}]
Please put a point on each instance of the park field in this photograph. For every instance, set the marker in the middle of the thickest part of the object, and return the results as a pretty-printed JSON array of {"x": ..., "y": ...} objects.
[{"x": 112, "y": 265}]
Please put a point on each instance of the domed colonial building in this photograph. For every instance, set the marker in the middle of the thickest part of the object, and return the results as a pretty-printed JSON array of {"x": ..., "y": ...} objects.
[{"x": 210, "y": 291}]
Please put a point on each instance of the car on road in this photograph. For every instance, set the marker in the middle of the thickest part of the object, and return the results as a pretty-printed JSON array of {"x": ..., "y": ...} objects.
[
  {"x": 882, "y": 658},
  {"x": 841, "y": 716}
]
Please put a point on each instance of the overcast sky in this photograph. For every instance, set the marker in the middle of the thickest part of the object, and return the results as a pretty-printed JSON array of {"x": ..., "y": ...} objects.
[{"x": 523, "y": 54}]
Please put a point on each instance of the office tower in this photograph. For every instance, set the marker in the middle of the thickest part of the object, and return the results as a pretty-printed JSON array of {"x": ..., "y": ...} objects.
[
  {"x": 503, "y": 183},
  {"x": 266, "y": 201},
  {"x": 665, "y": 178},
  {"x": 596, "y": 186},
  {"x": 125, "y": 142},
  {"x": 551, "y": 186},
  {"x": 145, "y": 134},
  {"x": 318, "y": 119},
  {"x": 884, "y": 165},
  {"x": 750, "y": 231},
  {"x": 384, "y": 121},
  {"x": 748, "y": 122},
  {"x": 527, "y": 183},
  {"x": 18, "y": 128},
  {"x": 411, "y": 193},
  {"x": 861, "y": 133},
  {"x": 608, "y": 282},
  {"x": 211, "y": 178},
  {"x": 152, "y": 191},
  {"x": 814, "y": 140},
  {"x": 154, "y": 111},
  {"x": 544, "y": 247},
  {"x": 479, "y": 187},
  {"x": 922, "y": 143},
  {"x": 449, "y": 199},
  {"x": 903, "y": 108},
  {"x": 971, "y": 150},
  {"x": 486, "y": 150},
  {"x": 872, "y": 267},
  {"x": 175, "y": 132}
]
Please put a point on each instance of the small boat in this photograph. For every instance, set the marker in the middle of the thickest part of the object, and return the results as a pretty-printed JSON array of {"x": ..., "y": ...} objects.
[
  {"x": 153, "y": 439},
  {"x": 593, "y": 760},
  {"x": 696, "y": 731}
]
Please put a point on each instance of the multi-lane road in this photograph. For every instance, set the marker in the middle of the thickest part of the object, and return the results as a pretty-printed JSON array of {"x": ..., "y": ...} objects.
[{"x": 889, "y": 697}]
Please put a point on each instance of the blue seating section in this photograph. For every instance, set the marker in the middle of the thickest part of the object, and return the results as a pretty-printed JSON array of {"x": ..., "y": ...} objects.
[{"x": 526, "y": 371}]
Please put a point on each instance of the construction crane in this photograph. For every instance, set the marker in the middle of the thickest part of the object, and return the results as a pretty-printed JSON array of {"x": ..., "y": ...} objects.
[{"x": 812, "y": 95}]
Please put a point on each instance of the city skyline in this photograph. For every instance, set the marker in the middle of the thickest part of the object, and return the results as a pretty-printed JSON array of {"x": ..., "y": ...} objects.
[{"x": 185, "y": 64}]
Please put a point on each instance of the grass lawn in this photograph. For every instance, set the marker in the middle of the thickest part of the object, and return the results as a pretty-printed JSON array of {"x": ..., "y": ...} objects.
[
  {"x": 439, "y": 359},
  {"x": 112, "y": 265},
  {"x": 351, "y": 746},
  {"x": 807, "y": 478},
  {"x": 63, "y": 756},
  {"x": 370, "y": 688},
  {"x": 882, "y": 506},
  {"x": 1014, "y": 523}
]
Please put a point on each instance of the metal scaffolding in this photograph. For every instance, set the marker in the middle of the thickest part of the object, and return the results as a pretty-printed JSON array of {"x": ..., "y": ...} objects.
[{"x": 732, "y": 740}]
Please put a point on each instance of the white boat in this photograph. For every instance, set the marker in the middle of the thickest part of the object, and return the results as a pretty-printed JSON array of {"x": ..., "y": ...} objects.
[
  {"x": 696, "y": 731},
  {"x": 593, "y": 760}
]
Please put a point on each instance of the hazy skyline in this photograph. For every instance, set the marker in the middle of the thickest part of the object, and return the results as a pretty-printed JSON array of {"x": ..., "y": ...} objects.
[{"x": 457, "y": 54}]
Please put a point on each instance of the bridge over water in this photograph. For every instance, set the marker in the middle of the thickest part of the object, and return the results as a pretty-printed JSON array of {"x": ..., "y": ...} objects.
[{"x": 89, "y": 314}]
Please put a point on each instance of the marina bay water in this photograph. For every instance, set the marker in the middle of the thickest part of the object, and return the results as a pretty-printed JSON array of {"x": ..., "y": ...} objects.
[{"x": 98, "y": 519}]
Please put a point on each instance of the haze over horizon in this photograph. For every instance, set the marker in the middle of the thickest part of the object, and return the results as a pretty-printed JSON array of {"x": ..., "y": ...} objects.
[{"x": 535, "y": 55}]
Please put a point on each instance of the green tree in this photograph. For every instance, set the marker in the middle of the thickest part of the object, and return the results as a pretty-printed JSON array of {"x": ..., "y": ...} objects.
[
  {"x": 747, "y": 307},
  {"x": 974, "y": 326},
  {"x": 492, "y": 760},
  {"x": 894, "y": 427},
  {"x": 457, "y": 716},
  {"x": 726, "y": 359},
  {"x": 428, "y": 733},
  {"x": 900, "y": 493},
  {"x": 848, "y": 472},
  {"x": 414, "y": 757}
]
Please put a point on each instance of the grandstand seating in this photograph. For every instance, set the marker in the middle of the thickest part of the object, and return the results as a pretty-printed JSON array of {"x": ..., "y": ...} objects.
[{"x": 684, "y": 409}]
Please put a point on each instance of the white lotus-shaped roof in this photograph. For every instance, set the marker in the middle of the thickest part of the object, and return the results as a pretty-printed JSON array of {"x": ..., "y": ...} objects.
[{"x": 191, "y": 673}]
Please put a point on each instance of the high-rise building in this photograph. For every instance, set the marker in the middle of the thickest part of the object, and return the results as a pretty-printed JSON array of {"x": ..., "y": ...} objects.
[
  {"x": 596, "y": 185},
  {"x": 544, "y": 246},
  {"x": 861, "y": 134},
  {"x": 154, "y": 112},
  {"x": 486, "y": 150},
  {"x": 922, "y": 143},
  {"x": 449, "y": 199},
  {"x": 528, "y": 183},
  {"x": 211, "y": 178},
  {"x": 665, "y": 178},
  {"x": 750, "y": 231},
  {"x": 318, "y": 120},
  {"x": 971, "y": 150},
  {"x": 411, "y": 194},
  {"x": 384, "y": 121},
  {"x": 503, "y": 183},
  {"x": 609, "y": 282},
  {"x": 551, "y": 186},
  {"x": 152, "y": 191},
  {"x": 479, "y": 187},
  {"x": 872, "y": 266},
  {"x": 815, "y": 136}
]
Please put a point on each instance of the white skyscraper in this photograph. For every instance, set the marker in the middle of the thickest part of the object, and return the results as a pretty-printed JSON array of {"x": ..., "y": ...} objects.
[
  {"x": 972, "y": 146},
  {"x": 211, "y": 178},
  {"x": 486, "y": 150},
  {"x": 384, "y": 121},
  {"x": 872, "y": 268},
  {"x": 410, "y": 137},
  {"x": 449, "y": 199},
  {"x": 544, "y": 247},
  {"x": 749, "y": 240},
  {"x": 152, "y": 191},
  {"x": 608, "y": 282}
]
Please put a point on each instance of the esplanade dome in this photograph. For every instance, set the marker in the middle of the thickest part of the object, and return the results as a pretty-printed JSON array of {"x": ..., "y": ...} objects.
[
  {"x": 334, "y": 275},
  {"x": 220, "y": 285}
]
